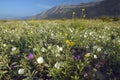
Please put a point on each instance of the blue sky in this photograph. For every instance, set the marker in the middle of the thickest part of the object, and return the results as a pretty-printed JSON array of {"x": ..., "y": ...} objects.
[{"x": 21, "y": 8}]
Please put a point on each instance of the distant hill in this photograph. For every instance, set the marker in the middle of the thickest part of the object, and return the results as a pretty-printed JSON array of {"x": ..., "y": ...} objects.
[{"x": 92, "y": 10}]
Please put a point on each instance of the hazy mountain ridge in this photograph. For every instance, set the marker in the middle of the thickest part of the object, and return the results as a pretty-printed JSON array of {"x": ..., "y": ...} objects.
[{"x": 92, "y": 9}]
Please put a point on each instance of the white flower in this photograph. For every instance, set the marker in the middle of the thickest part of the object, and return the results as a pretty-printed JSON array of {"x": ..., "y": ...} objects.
[
  {"x": 40, "y": 60},
  {"x": 95, "y": 47},
  {"x": 43, "y": 49},
  {"x": 98, "y": 49},
  {"x": 85, "y": 36},
  {"x": 14, "y": 48},
  {"x": 57, "y": 65},
  {"x": 108, "y": 39},
  {"x": 95, "y": 56},
  {"x": 52, "y": 35},
  {"x": 12, "y": 40},
  {"x": 4, "y": 45},
  {"x": 21, "y": 71},
  {"x": 57, "y": 55},
  {"x": 80, "y": 35},
  {"x": 59, "y": 48},
  {"x": 82, "y": 64},
  {"x": 105, "y": 52},
  {"x": 49, "y": 47},
  {"x": 94, "y": 69},
  {"x": 103, "y": 37},
  {"x": 90, "y": 33},
  {"x": 87, "y": 47},
  {"x": 34, "y": 49},
  {"x": 119, "y": 41},
  {"x": 18, "y": 37},
  {"x": 70, "y": 30}
]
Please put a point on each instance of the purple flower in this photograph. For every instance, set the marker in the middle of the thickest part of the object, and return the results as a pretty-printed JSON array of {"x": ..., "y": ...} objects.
[
  {"x": 76, "y": 57},
  {"x": 85, "y": 74},
  {"x": 15, "y": 66},
  {"x": 30, "y": 56},
  {"x": 101, "y": 63},
  {"x": 96, "y": 65}
]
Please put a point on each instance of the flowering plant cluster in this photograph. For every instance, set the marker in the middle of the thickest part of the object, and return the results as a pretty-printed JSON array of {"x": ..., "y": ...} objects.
[{"x": 59, "y": 50}]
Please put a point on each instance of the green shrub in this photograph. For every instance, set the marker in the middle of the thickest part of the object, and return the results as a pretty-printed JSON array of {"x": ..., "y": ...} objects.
[
  {"x": 5, "y": 20},
  {"x": 116, "y": 18},
  {"x": 105, "y": 18}
]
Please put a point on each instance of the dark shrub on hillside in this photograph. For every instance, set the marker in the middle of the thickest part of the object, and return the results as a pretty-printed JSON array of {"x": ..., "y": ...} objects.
[
  {"x": 105, "y": 18},
  {"x": 116, "y": 18},
  {"x": 5, "y": 20}
]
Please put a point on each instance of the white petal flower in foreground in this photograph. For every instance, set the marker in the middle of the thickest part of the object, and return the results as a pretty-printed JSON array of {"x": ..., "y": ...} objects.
[
  {"x": 34, "y": 49},
  {"x": 40, "y": 60},
  {"x": 95, "y": 56},
  {"x": 21, "y": 71},
  {"x": 59, "y": 48},
  {"x": 4, "y": 45},
  {"x": 57, "y": 65},
  {"x": 43, "y": 49},
  {"x": 49, "y": 47},
  {"x": 14, "y": 48},
  {"x": 57, "y": 55},
  {"x": 99, "y": 49},
  {"x": 95, "y": 47}
]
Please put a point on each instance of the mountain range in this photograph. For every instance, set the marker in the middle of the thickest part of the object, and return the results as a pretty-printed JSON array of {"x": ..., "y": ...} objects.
[{"x": 91, "y": 10}]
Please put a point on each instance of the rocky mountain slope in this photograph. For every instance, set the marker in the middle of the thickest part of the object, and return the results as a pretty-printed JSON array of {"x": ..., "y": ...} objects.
[{"x": 92, "y": 10}]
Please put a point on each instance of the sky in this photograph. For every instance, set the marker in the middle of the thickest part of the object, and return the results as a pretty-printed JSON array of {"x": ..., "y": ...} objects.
[{"x": 23, "y": 8}]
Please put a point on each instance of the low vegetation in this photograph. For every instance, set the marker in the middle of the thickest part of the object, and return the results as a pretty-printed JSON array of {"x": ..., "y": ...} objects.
[{"x": 59, "y": 50}]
